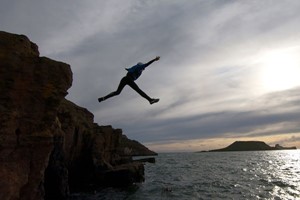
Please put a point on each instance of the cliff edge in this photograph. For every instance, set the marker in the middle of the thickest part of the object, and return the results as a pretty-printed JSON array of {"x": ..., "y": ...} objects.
[{"x": 49, "y": 146}]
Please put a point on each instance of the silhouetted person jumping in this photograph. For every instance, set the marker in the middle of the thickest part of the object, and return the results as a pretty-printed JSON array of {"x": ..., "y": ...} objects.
[{"x": 133, "y": 74}]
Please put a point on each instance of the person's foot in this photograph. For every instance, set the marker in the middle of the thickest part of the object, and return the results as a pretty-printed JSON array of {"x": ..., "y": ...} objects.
[
  {"x": 154, "y": 101},
  {"x": 100, "y": 99}
]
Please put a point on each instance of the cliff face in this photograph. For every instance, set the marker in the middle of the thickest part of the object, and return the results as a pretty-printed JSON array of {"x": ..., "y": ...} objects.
[
  {"x": 49, "y": 146},
  {"x": 31, "y": 92}
]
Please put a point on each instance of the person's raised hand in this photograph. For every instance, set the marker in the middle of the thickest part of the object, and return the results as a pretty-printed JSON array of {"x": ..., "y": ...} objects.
[{"x": 157, "y": 58}]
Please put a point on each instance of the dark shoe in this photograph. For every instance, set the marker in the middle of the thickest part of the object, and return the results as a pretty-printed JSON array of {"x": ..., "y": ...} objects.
[
  {"x": 154, "y": 101},
  {"x": 100, "y": 99}
]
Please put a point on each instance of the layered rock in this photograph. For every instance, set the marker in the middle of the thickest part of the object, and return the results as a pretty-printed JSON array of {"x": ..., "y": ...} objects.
[
  {"x": 31, "y": 93},
  {"x": 48, "y": 145},
  {"x": 134, "y": 148}
]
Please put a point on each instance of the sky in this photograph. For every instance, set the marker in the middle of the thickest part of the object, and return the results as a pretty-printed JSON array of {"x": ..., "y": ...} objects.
[{"x": 229, "y": 69}]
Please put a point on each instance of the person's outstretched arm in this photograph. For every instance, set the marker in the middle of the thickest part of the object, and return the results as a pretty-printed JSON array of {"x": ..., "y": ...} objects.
[{"x": 151, "y": 61}]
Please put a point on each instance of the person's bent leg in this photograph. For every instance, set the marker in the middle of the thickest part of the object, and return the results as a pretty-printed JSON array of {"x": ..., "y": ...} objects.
[{"x": 122, "y": 84}]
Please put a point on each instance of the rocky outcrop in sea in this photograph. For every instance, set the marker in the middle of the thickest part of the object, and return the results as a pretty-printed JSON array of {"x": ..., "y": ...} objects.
[
  {"x": 49, "y": 146},
  {"x": 252, "y": 146}
]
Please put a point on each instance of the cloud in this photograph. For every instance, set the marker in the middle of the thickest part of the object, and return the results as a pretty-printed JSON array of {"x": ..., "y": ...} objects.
[
  {"x": 208, "y": 75},
  {"x": 277, "y": 117}
]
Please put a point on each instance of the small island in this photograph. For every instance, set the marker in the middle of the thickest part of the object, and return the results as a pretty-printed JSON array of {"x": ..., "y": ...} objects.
[{"x": 251, "y": 146}]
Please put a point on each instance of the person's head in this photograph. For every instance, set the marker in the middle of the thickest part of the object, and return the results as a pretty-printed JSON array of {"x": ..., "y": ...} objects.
[{"x": 140, "y": 63}]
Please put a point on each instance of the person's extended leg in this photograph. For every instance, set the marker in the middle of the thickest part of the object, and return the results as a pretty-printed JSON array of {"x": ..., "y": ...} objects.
[
  {"x": 122, "y": 84},
  {"x": 134, "y": 86}
]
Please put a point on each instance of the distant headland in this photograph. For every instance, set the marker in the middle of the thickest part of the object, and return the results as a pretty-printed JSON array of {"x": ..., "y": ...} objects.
[{"x": 251, "y": 146}]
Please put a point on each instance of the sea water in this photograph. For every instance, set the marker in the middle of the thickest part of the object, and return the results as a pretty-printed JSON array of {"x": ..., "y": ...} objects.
[{"x": 214, "y": 175}]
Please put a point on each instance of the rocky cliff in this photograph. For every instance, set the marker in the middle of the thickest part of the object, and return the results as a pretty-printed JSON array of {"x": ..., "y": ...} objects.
[{"x": 49, "y": 146}]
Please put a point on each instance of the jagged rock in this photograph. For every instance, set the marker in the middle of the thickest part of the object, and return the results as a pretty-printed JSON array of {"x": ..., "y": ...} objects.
[
  {"x": 93, "y": 151},
  {"x": 49, "y": 146},
  {"x": 31, "y": 89},
  {"x": 136, "y": 148},
  {"x": 123, "y": 175}
]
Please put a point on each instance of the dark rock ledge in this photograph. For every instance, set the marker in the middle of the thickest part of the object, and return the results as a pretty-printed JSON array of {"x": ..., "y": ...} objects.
[{"x": 50, "y": 147}]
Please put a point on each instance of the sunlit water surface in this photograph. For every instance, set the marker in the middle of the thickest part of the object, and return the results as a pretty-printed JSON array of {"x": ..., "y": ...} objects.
[{"x": 222, "y": 175}]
